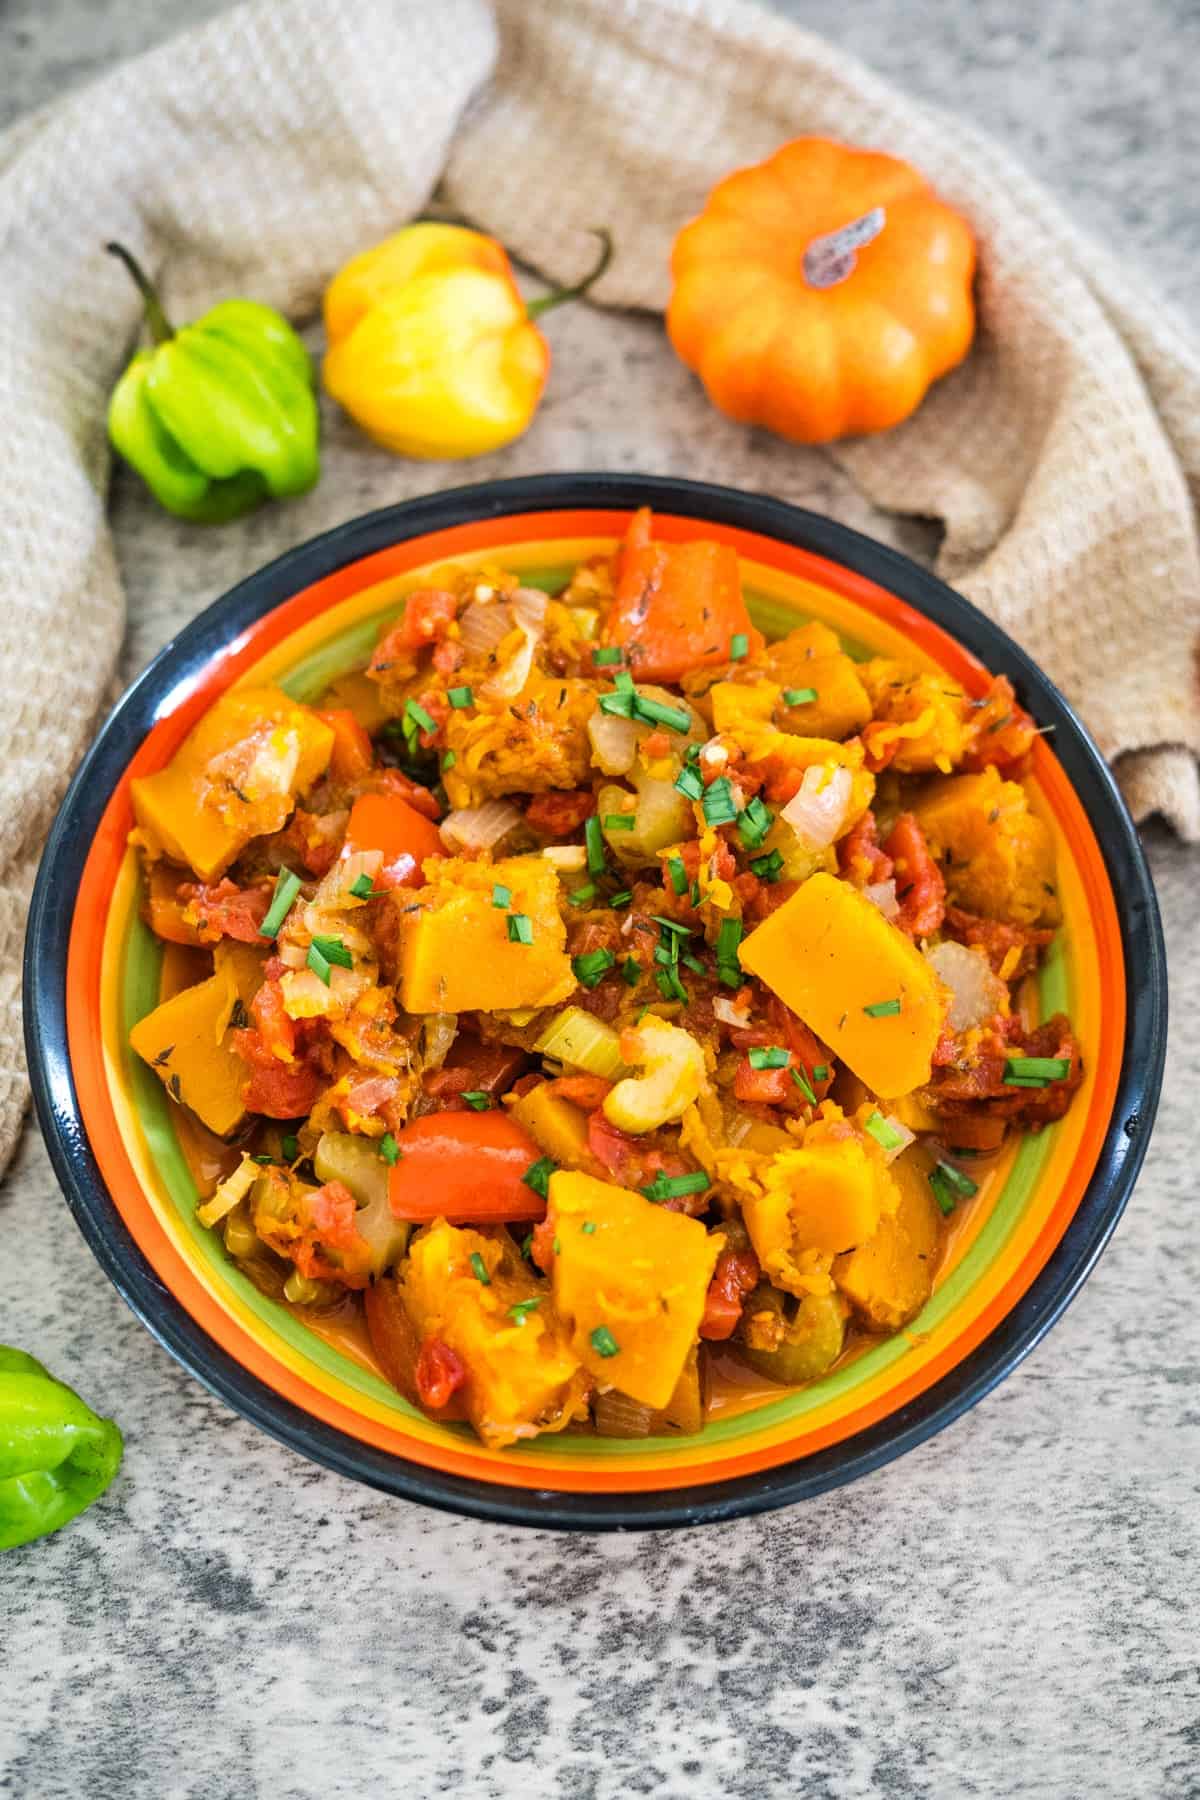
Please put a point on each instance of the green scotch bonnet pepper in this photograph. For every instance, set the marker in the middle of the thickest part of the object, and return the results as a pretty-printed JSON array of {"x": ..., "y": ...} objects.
[
  {"x": 56, "y": 1456},
  {"x": 218, "y": 415}
]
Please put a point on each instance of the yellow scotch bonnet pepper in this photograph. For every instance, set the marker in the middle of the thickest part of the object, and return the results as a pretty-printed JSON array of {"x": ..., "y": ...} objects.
[{"x": 432, "y": 349}]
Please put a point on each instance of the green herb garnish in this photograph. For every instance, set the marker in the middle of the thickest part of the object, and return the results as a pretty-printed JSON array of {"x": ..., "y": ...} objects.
[
  {"x": 287, "y": 886},
  {"x": 622, "y": 821},
  {"x": 769, "y": 1056},
  {"x": 718, "y": 802},
  {"x": 739, "y": 646},
  {"x": 582, "y": 895},
  {"x": 767, "y": 868},
  {"x": 1045, "y": 1068},
  {"x": 754, "y": 824},
  {"x": 501, "y": 895},
  {"x": 656, "y": 712},
  {"x": 480, "y": 1269},
  {"x": 477, "y": 1099},
  {"x": 885, "y": 1135},
  {"x": 622, "y": 899},
  {"x": 459, "y": 697},
  {"x": 591, "y": 968},
  {"x": 802, "y": 1082},
  {"x": 603, "y": 1342},
  {"x": 677, "y": 874},
  {"x": 631, "y": 971},
  {"x": 594, "y": 839},
  {"x": 799, "y": 696},
  {"x": 670, "y": 1187},
  {"x": 882, "y": 1009},
  {"x": 389, "y": 1149},
  {"x": 604, "y": 658},
  {"x": 537, "y": 1175},
  {"x": 291, "y": 1147},
  {"x": 520, "y": 928},
  {"x": 521, "y": 1311},
  {"x": 689, "y": 784}
]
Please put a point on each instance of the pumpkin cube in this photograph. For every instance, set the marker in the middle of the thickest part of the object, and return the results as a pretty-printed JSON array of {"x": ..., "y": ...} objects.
[
  {"x": 186, "y": 1043},
  {"x": 996, "y": 854},
  {"x": 827, "y": 1195},
  {"x": 813, "y": 658},
  {"x": 889, "y": 1278},
  {"x": 737, "y": 703},
  {"x": 630, "y": 1280},
  {"x": 522, "y": 1376},
  {"x": 460, "y": 951},
  {"x": 235, "y": 776},
  {"x": 855, "y": 980}
]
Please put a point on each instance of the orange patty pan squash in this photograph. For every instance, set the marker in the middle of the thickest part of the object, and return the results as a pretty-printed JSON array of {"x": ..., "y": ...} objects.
[{"x": 820, "y": 293}]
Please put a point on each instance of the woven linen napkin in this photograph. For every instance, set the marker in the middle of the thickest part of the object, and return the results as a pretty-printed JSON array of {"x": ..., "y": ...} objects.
[{"x": 258, "y": 152}]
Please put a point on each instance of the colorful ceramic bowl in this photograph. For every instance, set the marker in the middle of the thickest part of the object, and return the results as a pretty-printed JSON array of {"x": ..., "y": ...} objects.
[{"x": 1025, "y": 1245}]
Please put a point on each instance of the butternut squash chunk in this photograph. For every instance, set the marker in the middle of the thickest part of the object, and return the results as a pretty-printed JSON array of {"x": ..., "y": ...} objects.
[
  {"x": 628, "y": 1274},
  {"x": 920, "y": 717},
  {"x": 997, "y": 855},
  {"x": 185, "y": 1041},
  {"x": 522, "y": 1376},
  {"x": 457, "y": 951},
  {"x": 557, "y": 1127},
  {"x": 856, "y": 980},
  {"x": 827, "y": 1195},
  {"x": 888, "y": 1279},
  {"x": 236, "y": 775},
  {"x": 813, "y": 658}
]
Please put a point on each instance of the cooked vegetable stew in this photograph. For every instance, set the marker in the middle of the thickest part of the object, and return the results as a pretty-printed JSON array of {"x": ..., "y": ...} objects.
[{"x": 588, "y": 995}]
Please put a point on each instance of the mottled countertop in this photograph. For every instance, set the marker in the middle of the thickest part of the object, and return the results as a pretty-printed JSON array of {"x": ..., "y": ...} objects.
[{"x": 1010, "y": 1610}]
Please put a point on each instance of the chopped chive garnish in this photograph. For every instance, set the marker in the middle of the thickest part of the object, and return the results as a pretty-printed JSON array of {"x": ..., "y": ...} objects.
[
  {"x": 688, "y": 783},
  {"x": 501, "y": 895},
  {"x": 622, "y": 899},
  {"x": 588, "y": 1227},
  {"x": 291, "y": 1147},
  {"x": 718, "y": 802},
  {"x": 594, "y": 839},
  {"x": 631, "y": 971},
  {"x": 537, "y": 1175},
  {"x": 882, "y": 1009},
  {"x": 769, "y": 1056},
  {"x": 670, "y": 1187},
  {"x": 416, "y": 713},
  {"x": 670, "y": 986},
  {"x": 802, "y": 1082},
  {"x": 1026, "y": 1081},
  {"x": 1049, "y": 1068},
  {"x": 949, "y": 1185},
  {"x": 364, "y": 889},
  {"x": 672, "y": 925},
  {"x": 449, "y": 760},
  {"x": 603, "y": 1342},
  {"x": 287, "y": 886},
  {"x": 477, "y": 1099},
  {"x": 480, "y": 1269},
  {"x": 592, "y": 967},
  {"x": 885, "y": 1135},
  {"x": 521, "y": 1311},
  {"x": 799, "y": 696},
  {"x": 728, "y": 966},
  {"x": 618, "y": 706},
  {"x": 527, "y": 1243},
  {"x": 460, "y": 697},
  {"x": 739, "y": 646},
  {"x": 318, "y": 964},
  {"x": 655, "y": 712},
  {"x": 604, "y": 658},
  {"x": 334, "y": 951},
  {"x": 264, "y": 1158},
  {"x": 820, "y": 1071},
  {"x": 754, "y": 823},
  {"x": 520, "y": 928},
  {"x": 767, "y": 868},
  {"x": 582, "y": 895},
  {"x": 694, "y": 895},
  {"x": 667, "y": 952},
  {"x": 622, "y": 821},
  {"x": 623, "y": 682},
  {"x": 389, "y": 1149},
  {"x": 693, "y": 963},
  {"x": 677, "y": 874}
]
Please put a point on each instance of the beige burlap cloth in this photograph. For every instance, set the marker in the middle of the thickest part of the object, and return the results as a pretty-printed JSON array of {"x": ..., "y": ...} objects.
[{"x": 256, "y": 154}]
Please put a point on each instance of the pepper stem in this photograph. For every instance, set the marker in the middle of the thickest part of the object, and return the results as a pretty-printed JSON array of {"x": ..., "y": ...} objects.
[
  {"x": 161, "y": 328},
  {"x": 536, "y": 308},
  {"x": 832, "y": 258}
]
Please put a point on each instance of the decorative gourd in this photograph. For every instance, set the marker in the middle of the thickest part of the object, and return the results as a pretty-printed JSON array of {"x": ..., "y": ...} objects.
[{"x": 821, "y": 292}]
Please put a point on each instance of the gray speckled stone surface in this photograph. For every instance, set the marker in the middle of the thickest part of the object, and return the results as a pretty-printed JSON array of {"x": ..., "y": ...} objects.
[{"x": 1010, "y": 1610}]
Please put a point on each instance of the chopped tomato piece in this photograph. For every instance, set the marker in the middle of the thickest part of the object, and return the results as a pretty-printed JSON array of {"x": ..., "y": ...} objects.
[
  {"x": 275, "y": 1027},
  {"x": 353, "y": 755},
  {"x": 466, "y": 1167},
  {"x": 1002, "y": 733},
  {"x": 440, "y": 1373},
  {"x": 558, "y": 814},
  {"x": 428, "y": 615},
  {"x": 473, "y": 1067},
  {"x": 860, "y": 858},
  {"x": 735, "y": 1275},
  {"x": 920, "y": 886},
  {"x": 1012, "y": 950},
  {"x": 395, "y": 781},
  {"x": 676, "y": 607},
  {"x": 634, "y": 1162},
  {"x": 406, "y": 837},
  {"x": 277, "y": 1090},
  {"x": 587, "y": 1091},
  {"x": 224, "y": 910}
]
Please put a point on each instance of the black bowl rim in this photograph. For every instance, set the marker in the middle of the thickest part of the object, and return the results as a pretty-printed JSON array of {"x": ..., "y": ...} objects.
[{"x": 165, "y": 1317}]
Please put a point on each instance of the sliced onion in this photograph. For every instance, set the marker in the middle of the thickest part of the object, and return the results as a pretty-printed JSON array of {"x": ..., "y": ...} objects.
[
  {"x": 883, "y": 895},
  {"x": 527, "y": 610},
  {"x": 438, "y": 1032},
  {"x": 483, "y": 625},
  {"x": 529, "y": 607},
  {"x": 817, "y": 810},
  {"x": 614, "y": 742},
  {"x": 479, "y": 827},
  {"x": 729, "y": 1014},
  {"x": 978, "y": 994}
]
